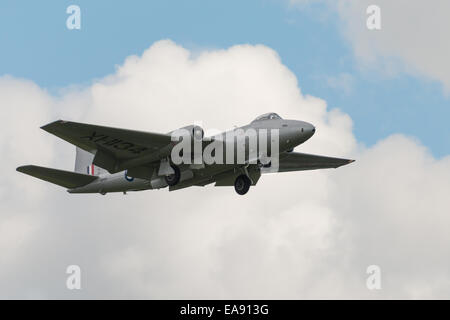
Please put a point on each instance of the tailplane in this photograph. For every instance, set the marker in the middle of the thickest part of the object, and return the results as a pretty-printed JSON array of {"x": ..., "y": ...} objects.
[
  {"x": 85, "y": 172},
  {"x": 61, "y": 178}
]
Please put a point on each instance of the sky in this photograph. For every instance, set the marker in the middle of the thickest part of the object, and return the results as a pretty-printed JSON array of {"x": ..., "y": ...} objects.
[
  {"x": 36, "y": 45},
  {"x": 380, "y": 97}
]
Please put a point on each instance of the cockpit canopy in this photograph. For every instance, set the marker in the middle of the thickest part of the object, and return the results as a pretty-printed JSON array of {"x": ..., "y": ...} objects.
[{"x": 267, "y": 116}]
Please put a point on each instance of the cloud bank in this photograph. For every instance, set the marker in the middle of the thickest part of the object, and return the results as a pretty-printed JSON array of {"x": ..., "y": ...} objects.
[
  {"x": 413, "y": 36},
  {"x": 297, "y": 235}
]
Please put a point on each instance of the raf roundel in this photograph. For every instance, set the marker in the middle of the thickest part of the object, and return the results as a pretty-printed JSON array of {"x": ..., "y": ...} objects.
[{"x": 130, "y": 179}]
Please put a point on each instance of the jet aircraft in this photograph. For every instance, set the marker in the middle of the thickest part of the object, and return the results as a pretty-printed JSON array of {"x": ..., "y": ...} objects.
[{"x": 120, "y": 160}]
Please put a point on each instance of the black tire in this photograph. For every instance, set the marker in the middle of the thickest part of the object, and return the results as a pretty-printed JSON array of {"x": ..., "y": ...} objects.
[
  {"x": 242, "y": 184},
  {"x": 173, "y": 178}
]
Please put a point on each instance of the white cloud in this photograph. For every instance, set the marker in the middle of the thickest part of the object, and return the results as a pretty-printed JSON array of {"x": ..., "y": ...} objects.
[
  {"x": 413, "y": 37},
  {"x": 298, "y": 235}
]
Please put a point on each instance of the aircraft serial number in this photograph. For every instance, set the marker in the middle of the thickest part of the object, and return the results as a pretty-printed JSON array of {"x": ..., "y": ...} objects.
[{"x": 114, "y": 143}]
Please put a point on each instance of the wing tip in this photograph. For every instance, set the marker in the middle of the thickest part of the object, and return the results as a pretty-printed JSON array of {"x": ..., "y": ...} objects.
[
  {"x": 23, "y": 169},
  {"x": 348, "y": 162},
  {"x": 345, "y": 162},
  {"x": 48, "y": 126}
]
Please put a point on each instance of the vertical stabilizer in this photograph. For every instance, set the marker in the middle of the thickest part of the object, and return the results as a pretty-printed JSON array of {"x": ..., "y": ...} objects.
[{"x": 83, "y": 163}]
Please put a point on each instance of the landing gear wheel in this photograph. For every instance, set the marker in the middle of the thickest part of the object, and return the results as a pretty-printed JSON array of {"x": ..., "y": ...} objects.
[
  {"x": 173, "y": 178},
  {"x": 242, "y": 184}
]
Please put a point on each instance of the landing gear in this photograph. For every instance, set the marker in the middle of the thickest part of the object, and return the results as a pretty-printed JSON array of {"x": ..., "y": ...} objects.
[
  {"x": 173, "y": 178},
  {"x": 242, "y": 184}
]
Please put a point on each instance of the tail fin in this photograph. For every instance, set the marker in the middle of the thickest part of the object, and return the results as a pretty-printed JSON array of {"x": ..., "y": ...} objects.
[{"x": 83, "y": 163}]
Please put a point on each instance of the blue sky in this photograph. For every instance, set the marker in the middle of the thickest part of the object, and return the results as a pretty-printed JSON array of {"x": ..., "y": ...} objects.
[{"x": 36, "y": 45}]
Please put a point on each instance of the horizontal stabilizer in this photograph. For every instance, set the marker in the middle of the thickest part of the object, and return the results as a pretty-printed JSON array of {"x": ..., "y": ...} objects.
[{"x": 62, "y": 178}]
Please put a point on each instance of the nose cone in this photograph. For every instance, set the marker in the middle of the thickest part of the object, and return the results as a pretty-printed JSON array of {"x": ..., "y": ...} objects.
[
  {"x": 306, "y": 129},
  {"x": 310, "y": 129},
  {"x": 297, "y": 132}
]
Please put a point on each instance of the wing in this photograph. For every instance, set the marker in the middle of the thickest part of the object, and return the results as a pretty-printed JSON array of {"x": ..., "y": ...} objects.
[
  {"x": 112, "y": 147},
  {"x": 295, "y": 161}
]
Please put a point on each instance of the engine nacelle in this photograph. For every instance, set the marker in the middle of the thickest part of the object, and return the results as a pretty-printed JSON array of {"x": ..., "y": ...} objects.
[
  {"x": 189, "y": 147},
  {"x": 196, "y": 133}
]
